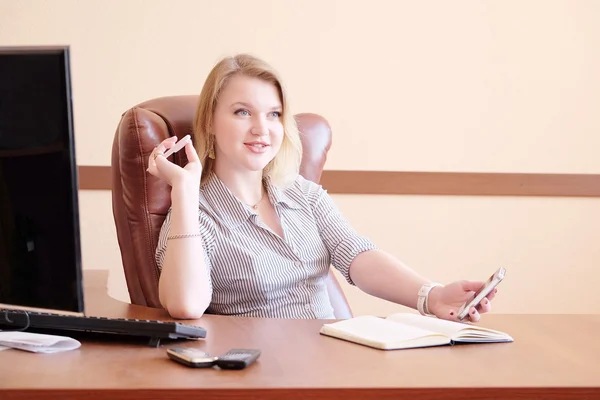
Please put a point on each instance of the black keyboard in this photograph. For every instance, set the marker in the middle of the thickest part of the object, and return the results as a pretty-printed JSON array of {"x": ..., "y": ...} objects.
[{"x": 64, "y": 325}]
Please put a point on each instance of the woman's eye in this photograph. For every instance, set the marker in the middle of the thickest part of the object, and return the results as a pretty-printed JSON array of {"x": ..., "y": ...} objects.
[
  {"x": 276, "y": 114},
  {"x": 242, "y": 113}
]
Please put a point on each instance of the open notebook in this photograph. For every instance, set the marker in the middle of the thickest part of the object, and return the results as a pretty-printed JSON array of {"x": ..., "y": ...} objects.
[{"x": 405, "y": 331}]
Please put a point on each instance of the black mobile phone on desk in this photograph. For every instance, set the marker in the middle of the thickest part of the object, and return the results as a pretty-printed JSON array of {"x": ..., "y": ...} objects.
[
  {"x": 191, "y": 357},
  {"x": 237, "y": 358}
]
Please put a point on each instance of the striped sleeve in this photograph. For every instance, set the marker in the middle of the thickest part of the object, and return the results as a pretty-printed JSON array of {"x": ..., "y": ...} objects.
[
  {"x": 342, "y": 241},
  {"x": 207, "y": 232}
]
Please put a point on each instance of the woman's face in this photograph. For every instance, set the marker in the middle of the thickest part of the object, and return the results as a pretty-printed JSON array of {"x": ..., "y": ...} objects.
[{"x": 247, "y": 124}]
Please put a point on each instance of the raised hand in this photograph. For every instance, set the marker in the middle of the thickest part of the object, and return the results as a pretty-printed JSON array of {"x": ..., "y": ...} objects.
[
  {"x": 445, "y": 302},
  {"x": 171, "y": 173}
]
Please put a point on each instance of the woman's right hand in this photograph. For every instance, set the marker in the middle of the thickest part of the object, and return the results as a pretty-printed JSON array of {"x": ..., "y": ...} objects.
[{"x": 171, "y": 173}]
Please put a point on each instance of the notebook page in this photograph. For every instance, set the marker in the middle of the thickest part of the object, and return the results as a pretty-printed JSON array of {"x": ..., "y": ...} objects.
[
  {"x": 380, "y": 333},
  {"x": 454, "y": 330}
]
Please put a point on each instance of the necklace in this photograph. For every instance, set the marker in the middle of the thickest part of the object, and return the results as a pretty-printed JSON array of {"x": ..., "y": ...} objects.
[{"x": 254, "y": 207}]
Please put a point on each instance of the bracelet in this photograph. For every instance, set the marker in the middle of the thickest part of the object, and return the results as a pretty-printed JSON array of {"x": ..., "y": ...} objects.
[
  {"x": 423, "y": 298},
  {"x": 182, "y": 236}
]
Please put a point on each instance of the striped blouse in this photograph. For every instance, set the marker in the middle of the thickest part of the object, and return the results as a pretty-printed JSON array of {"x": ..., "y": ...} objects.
[{"x": 254, "y": 272}]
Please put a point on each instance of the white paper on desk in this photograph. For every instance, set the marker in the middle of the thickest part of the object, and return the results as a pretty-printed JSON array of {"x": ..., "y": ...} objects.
[{"x": 37, "y": 342}]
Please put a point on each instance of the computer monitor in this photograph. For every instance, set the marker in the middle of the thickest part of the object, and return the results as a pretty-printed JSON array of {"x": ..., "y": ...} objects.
[{"x": 40, "y": 255}]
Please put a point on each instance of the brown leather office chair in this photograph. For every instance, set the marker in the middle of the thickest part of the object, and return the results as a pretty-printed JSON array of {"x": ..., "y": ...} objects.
[{"x": 141, "y": 201}]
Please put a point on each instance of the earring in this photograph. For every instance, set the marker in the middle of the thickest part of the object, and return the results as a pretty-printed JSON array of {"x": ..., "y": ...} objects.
[{"x": 211, "y": 148}]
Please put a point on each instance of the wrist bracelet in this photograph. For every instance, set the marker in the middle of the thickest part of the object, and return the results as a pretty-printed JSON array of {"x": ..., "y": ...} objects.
[
  {"x": 182, "y": 236},
  {"x": 423, "y": 297}
]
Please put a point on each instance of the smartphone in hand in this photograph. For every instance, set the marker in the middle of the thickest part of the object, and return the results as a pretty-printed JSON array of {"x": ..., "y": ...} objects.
[
  {"x": 178, "y": 146},
  {"x": 479, "y": 295}
]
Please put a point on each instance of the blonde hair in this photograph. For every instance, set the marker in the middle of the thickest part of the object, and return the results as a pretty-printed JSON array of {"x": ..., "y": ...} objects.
[{"x": 285, "y": 165}]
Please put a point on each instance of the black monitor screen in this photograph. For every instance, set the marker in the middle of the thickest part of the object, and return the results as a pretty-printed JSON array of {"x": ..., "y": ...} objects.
[{"x": 40, "y": 257}]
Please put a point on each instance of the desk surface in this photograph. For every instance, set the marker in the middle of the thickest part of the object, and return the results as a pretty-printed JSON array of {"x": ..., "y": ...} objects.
[{"x": 553, "y": 356}]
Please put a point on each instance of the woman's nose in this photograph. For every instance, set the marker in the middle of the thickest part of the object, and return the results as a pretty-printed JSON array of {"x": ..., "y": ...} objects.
[{"x": 260, "y": 127}]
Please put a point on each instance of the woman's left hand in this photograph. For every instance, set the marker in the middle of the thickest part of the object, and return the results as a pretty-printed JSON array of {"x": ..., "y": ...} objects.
[{"x": 445, "y": 301}]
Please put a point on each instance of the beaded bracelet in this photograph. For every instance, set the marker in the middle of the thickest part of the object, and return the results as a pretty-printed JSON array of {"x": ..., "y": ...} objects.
[{"x": 182, "y": 236}]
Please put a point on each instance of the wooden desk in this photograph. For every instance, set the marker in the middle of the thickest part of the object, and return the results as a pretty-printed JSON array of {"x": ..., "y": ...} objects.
[{"x": 553, "y": 357}]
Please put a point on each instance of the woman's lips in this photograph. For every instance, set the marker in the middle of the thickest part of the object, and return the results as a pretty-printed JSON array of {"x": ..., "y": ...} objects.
[{"x": 257, "y": 147}]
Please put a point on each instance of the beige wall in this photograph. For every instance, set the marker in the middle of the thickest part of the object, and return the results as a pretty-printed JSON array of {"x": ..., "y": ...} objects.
[{"x": 476, "y": 86}]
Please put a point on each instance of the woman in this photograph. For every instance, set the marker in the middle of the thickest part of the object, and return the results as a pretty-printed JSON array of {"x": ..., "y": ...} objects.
[{"x": 247, "y": 235}]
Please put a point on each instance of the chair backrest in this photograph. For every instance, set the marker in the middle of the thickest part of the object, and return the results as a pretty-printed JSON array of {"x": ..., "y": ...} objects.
[{"x": 141, "y": 202}]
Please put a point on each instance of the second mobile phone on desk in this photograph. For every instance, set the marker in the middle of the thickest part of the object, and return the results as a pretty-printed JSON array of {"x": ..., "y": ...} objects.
[{"x": 237, "y": 358}]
